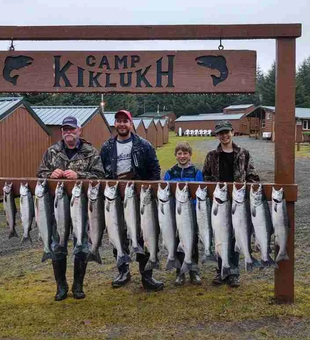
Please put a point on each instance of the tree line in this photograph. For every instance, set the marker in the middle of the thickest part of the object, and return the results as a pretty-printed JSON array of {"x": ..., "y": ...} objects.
[{"x": 184, "y": 104}]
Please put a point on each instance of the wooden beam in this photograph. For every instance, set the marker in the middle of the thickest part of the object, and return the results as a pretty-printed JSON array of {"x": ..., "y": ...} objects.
[
  {"x": 151, "y": 32},
  {"x": 290, "y": 190},
  {"x": 285, "y": 155}
]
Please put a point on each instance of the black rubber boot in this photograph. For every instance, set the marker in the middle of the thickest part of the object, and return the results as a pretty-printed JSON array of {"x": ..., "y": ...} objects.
[
  {"x": 123, "y": 277},
  {"x": 148, "y": 282},
  {"x": 60, "y": 267},
  {"x": 79, "y": 272}
]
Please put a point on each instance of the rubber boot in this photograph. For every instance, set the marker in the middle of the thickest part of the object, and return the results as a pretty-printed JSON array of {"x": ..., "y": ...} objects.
[
  {"x": 123, "y": 277},
  {"x": 60, "y": 267},
  {"x": 79, "y": 272},
  {"x": 180, "y": 279},
  {"x": 148, "y": 282}
]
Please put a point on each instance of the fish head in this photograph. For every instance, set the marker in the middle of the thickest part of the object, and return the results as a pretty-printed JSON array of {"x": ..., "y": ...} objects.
[
  {"x": 93, "y": 191},
  {"x": 164, "y": 194},
  {"x": 77, "y": 190},
  {"x": 130, "y": 190},
  {"x": 60, "y": 190},
  {"x": 182, "y": 195},
  {"x": 277, "y": 195},
  {"x": 257, "y": 196},
  {"x": 111, "y": 191},
  {"x": 202, "y": 193},
  {"x": 220, "y": 194},
  {"x": 23, "y": 189},
  {"x": 239, "y": 195},
  {"x": 146, "y": 194},
  {"x": 7, "y": 188},
  {"x": 41, "y": 188}
]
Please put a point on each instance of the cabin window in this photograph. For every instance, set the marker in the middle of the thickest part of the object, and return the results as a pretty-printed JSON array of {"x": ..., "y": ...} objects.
[
  {"x": 263, "y": 123},
  {"x": 305, "y": 125}
]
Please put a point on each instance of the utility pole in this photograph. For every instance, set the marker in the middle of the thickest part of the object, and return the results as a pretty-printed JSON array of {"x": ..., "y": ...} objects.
[{"x": 102, "y": 104}]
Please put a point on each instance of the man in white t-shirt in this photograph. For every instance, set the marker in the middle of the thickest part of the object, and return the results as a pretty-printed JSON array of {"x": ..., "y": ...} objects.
[{"x": 129, "y": 156}]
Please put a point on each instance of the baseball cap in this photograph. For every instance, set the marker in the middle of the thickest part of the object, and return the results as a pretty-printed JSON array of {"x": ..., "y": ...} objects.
[
  {"x": 71, "y": 121},
  {"x": 223, "y": 125},
  {"x": 127, "y": 113}
]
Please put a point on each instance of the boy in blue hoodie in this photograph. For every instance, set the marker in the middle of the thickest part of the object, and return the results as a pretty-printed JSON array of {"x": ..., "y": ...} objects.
[{"x": 185, "y": 171}]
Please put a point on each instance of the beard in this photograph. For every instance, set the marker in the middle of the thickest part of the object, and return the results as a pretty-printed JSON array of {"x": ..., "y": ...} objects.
[{"x": 123, "y": 132}]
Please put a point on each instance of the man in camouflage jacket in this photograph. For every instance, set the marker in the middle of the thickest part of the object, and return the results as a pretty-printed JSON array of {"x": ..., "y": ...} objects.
[
  {"x": 243, "y": 169},
  {"x": 86, "y": 163},
  {"x": 228, "y": 163},
  {"x": 70, "y": 158}
]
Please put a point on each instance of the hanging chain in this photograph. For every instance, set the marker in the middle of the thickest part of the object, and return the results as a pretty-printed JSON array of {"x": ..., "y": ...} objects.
[
  {"x": 221, "y": 47},
  {"x": 12, "y": 47}
]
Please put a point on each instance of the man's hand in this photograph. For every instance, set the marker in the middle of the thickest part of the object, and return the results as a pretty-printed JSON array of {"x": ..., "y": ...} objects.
[
  {"x": 70, "y": 174},
  {"x": 58, "y": 173}
]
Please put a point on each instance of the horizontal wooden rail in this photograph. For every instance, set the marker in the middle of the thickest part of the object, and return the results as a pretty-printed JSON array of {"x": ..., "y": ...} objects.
[
  {"x": 290, "y": 190},
  {"x": 151, "y": 32}
]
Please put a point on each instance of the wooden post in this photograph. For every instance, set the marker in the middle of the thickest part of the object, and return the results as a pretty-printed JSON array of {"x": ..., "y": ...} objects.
[{"x": 285, "y": 155}]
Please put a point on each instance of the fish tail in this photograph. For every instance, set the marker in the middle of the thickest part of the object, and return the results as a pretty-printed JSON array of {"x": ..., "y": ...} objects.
[
  {"x": 227, "y": 271},
  {"x": 186, "y": 267},
  {"x": 269, "y": 263},
  {"x": 91, "y": 257},
  {"x": 13, "y": 233},
  {"x": 173, "y": 263},
  {"x": 47, "y": 256},
  {"x": 152, "y": 265},
  {"x": 208, "y": 257},
  {"x": 60, "y": 250},
  {"x": 77, "y": 249},
  {"x": 26, "y": 239},
  {"x": 138, "y": 249},
  {"x": 123, "y": 259},
  {"x": 249, "y": 266},
  {"x": 282, "y": 256}
]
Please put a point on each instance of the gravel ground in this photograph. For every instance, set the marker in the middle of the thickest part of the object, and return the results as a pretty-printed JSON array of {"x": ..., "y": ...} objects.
[{"x": 263, "y": 154}]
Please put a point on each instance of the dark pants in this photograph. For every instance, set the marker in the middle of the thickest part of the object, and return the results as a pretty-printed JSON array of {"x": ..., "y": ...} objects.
[{"x": 233, "y": 258}]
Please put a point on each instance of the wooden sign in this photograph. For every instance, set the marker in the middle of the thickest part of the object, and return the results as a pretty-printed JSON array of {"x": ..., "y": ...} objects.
[{"x": 129, "y": 72}]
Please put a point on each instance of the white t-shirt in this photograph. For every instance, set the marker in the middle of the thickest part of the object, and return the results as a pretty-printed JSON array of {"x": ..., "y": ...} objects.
[{"x": 123, "y": 149}]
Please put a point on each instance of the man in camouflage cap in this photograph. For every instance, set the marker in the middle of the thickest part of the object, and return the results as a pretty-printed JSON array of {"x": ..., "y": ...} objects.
[
  {"x": 228, "y": 163},
  {"x": 70, "y": 158}
]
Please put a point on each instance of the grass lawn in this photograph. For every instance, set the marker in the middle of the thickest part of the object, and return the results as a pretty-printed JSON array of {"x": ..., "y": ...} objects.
[
  {"x": 166, "y": 153},
  {"x": 304, "y": 150}
]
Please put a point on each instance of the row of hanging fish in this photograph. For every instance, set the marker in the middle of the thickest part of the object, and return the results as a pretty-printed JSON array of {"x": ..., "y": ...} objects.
[{"x": 217, "y": 222}]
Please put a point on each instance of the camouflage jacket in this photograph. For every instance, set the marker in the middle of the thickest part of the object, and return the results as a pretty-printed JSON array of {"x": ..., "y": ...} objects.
[
  {"x": 86, "y": 162},
  {"x": 243, "y": 165}
]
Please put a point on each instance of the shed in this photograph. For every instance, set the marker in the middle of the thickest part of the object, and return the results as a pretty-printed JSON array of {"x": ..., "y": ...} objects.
[
  {"x": 208, "y": 121},
  {"x": 95, "y": 127},
  {"x": 164, "y": 124},
  {"x": 139, "y": 127},
  {"x": 160, "y": 133},
  {"x": 23, "y": 136},
  {"x": 169, "y": 115},
  {"x": 242, "y": 108},
  {"x": 151, "y": 131},
  {"x": 265, "y": 126},
  {"x": 110, "y": 118}
]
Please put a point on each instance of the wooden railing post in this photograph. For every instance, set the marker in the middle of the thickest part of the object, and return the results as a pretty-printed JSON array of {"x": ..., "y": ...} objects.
[{"x": 285, "y": 154}]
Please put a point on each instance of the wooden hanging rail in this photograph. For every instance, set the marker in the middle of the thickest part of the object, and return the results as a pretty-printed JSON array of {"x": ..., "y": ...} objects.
[
  {"x": 290, "y": 190},
  {"x": 151, "y": 32}
]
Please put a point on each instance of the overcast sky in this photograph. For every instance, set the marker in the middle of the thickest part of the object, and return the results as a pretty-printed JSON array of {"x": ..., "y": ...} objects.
[{"x": 159, "y": 12}]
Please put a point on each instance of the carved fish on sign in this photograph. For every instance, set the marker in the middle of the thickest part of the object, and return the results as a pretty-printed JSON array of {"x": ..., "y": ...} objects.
[
  {"x": 214, "y": 63},
  {"x": 15, "y": 63}
]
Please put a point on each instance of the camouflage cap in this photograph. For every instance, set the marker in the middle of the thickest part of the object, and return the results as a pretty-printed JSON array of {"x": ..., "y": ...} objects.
[{"x": 222, "y": 126}]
